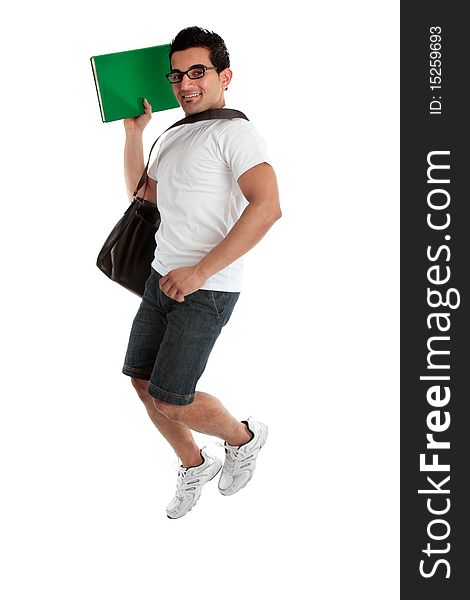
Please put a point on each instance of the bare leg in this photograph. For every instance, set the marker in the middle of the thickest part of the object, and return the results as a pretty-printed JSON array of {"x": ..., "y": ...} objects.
[
  {"x": 206, "y": 414},
  {"x": 177, "y": 435}
]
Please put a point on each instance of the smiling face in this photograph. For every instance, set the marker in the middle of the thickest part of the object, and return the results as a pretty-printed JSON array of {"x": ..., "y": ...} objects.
[{"x": 196, "y": 95}]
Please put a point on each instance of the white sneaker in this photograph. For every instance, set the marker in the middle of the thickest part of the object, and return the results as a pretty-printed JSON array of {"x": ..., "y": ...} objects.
[
  {"x": 190, "y": 483},
  {"x": 240, "y": 461}
]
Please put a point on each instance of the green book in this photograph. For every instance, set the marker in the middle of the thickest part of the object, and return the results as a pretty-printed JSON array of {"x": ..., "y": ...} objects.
[{"x": 124, "y": 79}]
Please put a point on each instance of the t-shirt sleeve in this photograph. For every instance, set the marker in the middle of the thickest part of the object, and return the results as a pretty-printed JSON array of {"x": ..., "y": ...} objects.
[
  {"x": 152, "y": 170},
  {"x": 242, "y": 147}
]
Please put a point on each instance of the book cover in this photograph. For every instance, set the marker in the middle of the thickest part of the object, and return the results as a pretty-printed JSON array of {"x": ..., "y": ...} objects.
[{"x": 124, "y": 79}]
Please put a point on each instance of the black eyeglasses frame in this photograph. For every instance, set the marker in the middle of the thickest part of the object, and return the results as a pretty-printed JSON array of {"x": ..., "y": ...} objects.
[{"x": 191, "y": 68}]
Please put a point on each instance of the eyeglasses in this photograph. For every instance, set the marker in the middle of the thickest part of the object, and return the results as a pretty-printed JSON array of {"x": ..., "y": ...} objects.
[{"x": 194, "y": 72}]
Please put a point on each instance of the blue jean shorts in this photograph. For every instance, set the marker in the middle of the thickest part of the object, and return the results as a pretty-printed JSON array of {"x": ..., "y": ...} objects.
[{"x": 170, "y": 341}]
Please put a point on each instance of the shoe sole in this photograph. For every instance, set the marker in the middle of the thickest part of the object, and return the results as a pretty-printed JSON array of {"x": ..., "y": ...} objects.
[
  {"x": 264, "y": 436},
  {"x": 190, "y": 509}
]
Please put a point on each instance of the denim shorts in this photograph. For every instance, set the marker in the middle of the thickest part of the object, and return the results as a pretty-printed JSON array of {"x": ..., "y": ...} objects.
[{"x": 170, "y": 341}]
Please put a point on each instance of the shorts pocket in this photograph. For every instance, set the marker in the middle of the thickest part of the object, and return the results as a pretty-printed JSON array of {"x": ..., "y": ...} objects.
[
  {"x": 224, "y": 303},
  {"x": 204, "y": 301},
  {"x": 218, "y": 304}
]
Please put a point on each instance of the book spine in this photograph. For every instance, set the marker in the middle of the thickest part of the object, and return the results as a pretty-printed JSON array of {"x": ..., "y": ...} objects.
[{"x": 97, "y": 85}]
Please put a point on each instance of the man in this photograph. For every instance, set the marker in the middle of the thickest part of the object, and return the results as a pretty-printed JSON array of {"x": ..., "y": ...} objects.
[{"x": 217, "y": 196}]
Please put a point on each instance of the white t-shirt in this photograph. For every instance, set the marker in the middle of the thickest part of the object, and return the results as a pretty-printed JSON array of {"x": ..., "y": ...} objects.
[{"x": 197, "y": 167}]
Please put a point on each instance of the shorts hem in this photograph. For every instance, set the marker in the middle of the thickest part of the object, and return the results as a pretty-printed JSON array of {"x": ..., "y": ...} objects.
[
  {"x": 137, "y": 373},
  {"x": 164, "y": 396}
]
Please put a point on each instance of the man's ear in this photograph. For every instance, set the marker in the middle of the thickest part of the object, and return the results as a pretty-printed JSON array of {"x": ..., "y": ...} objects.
[{"x": 225, "y": 77}]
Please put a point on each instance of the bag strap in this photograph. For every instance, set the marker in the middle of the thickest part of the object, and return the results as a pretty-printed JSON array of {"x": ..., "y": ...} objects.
[{"x": 205, "y": 115}]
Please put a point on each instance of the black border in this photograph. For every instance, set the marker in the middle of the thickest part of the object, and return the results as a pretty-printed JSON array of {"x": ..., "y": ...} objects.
[{"x": 421, "y": 133}]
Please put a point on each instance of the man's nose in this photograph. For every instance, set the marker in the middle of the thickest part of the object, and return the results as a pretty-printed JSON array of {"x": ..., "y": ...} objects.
[{"x": 184, "y": 82}]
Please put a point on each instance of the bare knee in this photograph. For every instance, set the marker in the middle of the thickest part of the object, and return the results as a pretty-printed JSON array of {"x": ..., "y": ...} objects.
[
  {"x": 170, "y": 411},
  {"x": 140, "y": 386}
]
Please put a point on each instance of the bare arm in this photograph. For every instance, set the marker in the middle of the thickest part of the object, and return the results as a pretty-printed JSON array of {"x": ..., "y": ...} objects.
[
  {"x": 134, "y": 155},
  {"x": 259, "y": 186}
]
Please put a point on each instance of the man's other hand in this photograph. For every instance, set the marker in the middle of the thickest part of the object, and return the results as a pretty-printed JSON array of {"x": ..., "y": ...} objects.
[{"x": 181, "y": 282}]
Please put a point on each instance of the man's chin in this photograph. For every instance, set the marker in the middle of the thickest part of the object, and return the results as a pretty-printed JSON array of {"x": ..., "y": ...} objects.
[{"x": 193, "y": 110}]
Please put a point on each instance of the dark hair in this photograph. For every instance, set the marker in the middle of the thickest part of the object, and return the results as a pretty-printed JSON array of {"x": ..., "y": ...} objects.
[{"x": 195, "y": 37}]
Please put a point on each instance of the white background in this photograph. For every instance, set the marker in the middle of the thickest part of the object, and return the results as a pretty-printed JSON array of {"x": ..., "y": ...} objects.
[{"x": 311, "y": 349}]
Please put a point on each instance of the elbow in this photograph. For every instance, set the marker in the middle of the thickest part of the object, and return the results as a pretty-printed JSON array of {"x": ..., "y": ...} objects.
[
  {"x": 275, "y": 215},
  {"x": 269, "y": 212}
]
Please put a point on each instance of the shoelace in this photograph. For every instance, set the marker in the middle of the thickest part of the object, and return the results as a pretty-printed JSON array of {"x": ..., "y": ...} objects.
[
  {"x": 182, "y": 485},
  {"x": 234, "y": 458}
]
